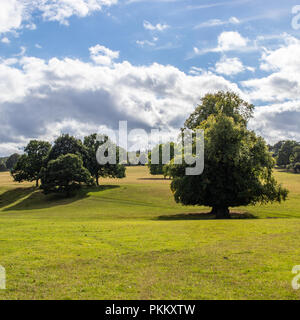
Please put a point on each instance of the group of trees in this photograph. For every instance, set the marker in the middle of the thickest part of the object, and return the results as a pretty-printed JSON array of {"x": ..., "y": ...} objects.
[
  {"x": 287, "y": 154},
  {"x": 65, "y": 166},
  {"x": 238, "y": 165},
  {"x": 8, "y": 163}
]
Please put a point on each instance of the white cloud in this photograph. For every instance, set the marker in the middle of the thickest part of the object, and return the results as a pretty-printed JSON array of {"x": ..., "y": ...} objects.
[
  {"x": 227, "y": 41},
  {"x": 217, "y": 22},
  {"x": 5, "y": 40},
  {"x": 231, "y": 40},
  {"x": 53, "y": 10},
  {"x": 142, "y": 43},
  {"x": 103, "y": 55},
  {"x": 157, "y": 27},
  {"x": 31, "y": 26},
  {"x": 231, "y": 66},
  {"x": 22, "y": 51},
  {"x": 38, "y": 98},
  {"x": 12, "y": 13},
  {"x": 283, "y": 81},
  {"x": 15, "y": 14},
  {"x": 278, "y": 121}
]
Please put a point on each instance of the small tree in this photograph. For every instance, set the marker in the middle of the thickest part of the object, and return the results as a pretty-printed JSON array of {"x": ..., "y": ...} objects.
[
  {"x": 295, "y": 159},
  {"x": 238, "y": 166},
  {"x": 12, "y": 160},
  {"x": 92, "y": 144},
  {"x": 29, "y": 165},
  {"x": 285, "y": 153},
  {"x": 65, "y": 174},
  {"x": 160, "y": 168}
]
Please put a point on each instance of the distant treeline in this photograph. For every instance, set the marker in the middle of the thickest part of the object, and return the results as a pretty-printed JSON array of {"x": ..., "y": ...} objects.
[
  {"x": 287, "y": 154},
  {"x": 7, "y": 163}
]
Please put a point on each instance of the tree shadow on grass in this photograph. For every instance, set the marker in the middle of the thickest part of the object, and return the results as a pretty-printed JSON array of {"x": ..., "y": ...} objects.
[
  {"x": 13, "y": 195},
  {"x": 153, "y": 179},
  {"x": 37, "y": 200},
  {"x": 205, "y": 216}
]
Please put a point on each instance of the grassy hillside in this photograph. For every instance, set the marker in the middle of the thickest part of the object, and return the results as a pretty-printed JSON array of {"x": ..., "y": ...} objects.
[{"x": 130, "y": 240}]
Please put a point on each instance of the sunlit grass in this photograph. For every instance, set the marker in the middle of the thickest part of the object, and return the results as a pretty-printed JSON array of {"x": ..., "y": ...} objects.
[{"x": 130, "y": 240}]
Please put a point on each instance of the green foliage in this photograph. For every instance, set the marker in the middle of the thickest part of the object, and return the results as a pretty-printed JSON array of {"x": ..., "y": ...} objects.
[
  {"x": 276, "y": 147},
  {"x": 2, "y": 167},
  {"x": 161, "y": 168},
  {"x": 65, "y": 174},
  {"x": 12, "y": 160},
  {"x": 238, "y": 166},
  {"x": 285, "y": 153},
  {"x": 295, "y": 159},
  {"x": 29, "y": 165},
  {"x": 66, "y": 144},
  {"x": 227, "y": 103},
  {"x": 92, "y": 144}
]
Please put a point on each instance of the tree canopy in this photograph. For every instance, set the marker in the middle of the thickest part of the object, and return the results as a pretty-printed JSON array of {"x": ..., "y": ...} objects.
[
  {"x": 285, "y": 153},
  {"x": 238, "y": 165},
  {"x": 66, "y": 144},
  {"x": 295, "y": 159},
  {"x": 29, "y": 165},
  {"x": 226, "y": 103},
  {"x": 65, "y": 166},
  {"x": 92, "y": 143},
  {"x": 12, "y": 160},
  {"x": 160, "y": 168},
  {"x": 65, "y": 174}
]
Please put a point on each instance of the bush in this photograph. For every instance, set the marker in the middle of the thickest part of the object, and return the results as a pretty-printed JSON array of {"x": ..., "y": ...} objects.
[{"x": 65, "y": 174}]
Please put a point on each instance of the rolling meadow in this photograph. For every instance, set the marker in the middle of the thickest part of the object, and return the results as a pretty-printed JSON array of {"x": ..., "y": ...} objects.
[{"x": 128, "y": 239}]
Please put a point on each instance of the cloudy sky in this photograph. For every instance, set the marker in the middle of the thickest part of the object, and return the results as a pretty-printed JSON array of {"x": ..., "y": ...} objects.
[{"x": 80, "y": 66}]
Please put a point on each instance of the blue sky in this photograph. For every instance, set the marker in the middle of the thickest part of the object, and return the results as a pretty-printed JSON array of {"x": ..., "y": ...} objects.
[{"x": 83, "y": 65}]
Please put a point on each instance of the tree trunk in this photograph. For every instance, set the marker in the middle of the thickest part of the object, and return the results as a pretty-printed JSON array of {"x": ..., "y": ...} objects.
[
  {"x": 213, "y": 210},
  {"x": 37, "y": 183},
  {"x": 97, "y": 181},
  {"x": 221, "y": 212}
]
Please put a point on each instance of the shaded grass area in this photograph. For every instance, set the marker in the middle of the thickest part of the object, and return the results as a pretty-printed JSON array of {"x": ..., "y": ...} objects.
[
  {"x": 206, "y": 216},
  {"x": 128, "y": 239}
]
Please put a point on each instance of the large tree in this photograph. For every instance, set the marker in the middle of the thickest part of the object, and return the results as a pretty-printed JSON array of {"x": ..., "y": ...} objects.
[
  {"x": 65, "y": 174},
  {"x": 238, "y": 166},
  {"x": 92, "y": 144},
  {"x": 29, "y": 165}
]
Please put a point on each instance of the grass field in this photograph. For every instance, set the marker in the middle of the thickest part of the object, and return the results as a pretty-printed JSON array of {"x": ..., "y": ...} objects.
[{"x": 129, "y": 240}]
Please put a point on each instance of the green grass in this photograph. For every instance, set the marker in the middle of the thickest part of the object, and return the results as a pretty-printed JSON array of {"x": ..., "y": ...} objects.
[{"x": 130, "y": 240}]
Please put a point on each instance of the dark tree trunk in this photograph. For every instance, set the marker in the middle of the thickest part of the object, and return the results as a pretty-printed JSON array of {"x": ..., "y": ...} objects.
[
  {"x": 213, "y": 210},
  {"x": 37, "y": 183},
  {"x": 221, "y": 212},
  {"x": 97, "y": 181}
]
